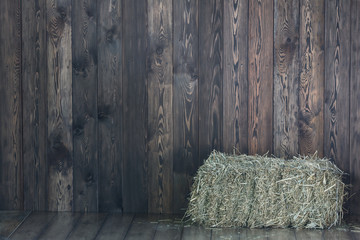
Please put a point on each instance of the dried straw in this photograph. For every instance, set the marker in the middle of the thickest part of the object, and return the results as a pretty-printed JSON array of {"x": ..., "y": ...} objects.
[{"x": 261, "y": 191}]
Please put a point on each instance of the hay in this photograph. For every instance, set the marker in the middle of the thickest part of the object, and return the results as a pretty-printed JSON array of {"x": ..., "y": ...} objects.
[{"x": 261, "y": 191}]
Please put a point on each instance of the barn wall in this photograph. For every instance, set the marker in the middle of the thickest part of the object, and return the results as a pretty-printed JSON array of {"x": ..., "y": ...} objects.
[{"x": 113, "y": 105}]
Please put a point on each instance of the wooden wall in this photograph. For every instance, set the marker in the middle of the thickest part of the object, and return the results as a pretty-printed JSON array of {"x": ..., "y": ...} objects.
[{"x": 112, "y": 105}]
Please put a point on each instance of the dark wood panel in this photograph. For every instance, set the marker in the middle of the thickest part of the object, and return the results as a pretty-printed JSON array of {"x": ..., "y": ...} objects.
[
  {"x": 110, "y": 116},
  {"x": 10, "y": 220},
  {"x": 61, "y": 226},
  {"x": 59, "y": 106},
  {"x": 115, "y": 227},
  {"x": 11, "y": 181},
  {"x": 33, "y": 226},
  {"x": 355, "y": 109},
  {"x": 85, "y": 115},
  {"x": 260, "y": 74},
  {"x": 34, "y": 103},
  {"x": 160, "y": 97},
  {"x": 235, "y": 81},
  {"x": 185, "y": 105},
  {"x": 135, "y": 194},
  {"x": 88, "y": 226},
  {"x": 286, "y": 78},
  {"x": 143, "y": 227},
  {"x": 311, "y": 87},
  {"x": 211, "y": 74},
  {"x": 337, "y": 77}
]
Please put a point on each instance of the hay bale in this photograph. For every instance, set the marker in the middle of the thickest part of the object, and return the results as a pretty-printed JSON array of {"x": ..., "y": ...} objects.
[{"x": 262, "y": 191}]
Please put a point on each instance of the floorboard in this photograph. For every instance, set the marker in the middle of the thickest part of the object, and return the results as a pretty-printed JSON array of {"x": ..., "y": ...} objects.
[
  {"x": 33, "y": 226},
  {"x": 10, "y": 220},
  {"x": 115, "y": 227},
  {"x": 196, "y": 232},
  {"x": 143, "y": 227},
  {"x": 168, "y": 229},
  {"x": 88, "y": 226}
]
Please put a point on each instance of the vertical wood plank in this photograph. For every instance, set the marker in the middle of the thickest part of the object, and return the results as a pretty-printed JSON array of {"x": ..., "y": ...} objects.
[
  {"x": 185, "y": 105},
  {"x": 235, "y": 81},
  {"x": 286, "y": 78},
  {"x": 211, "y": 74},
  {"x": 11, "y": 181},
  {"x": 34, "y": 103},
  {"x": 311, "y": 87},
  {"x": 160, "y": 117},
  {"x": 135, "y": 195},
  {"x": 84, "y": 53},
  {"x": 59, "y": 106},
  {"x": 337, "y": 77},
  {"x": 355, "y": 108},
  {"x": 110, "y": 104},
  {"x": 260, "y": 74}
]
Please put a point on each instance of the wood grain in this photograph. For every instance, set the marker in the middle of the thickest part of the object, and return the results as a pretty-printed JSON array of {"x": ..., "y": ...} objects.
[
  {"x": 10, "y": 220},
  {"x": 143, "y": 227},
  {"x": 11, "y": 169},
  {"x": 311, "y": 87},
  {"x": 85, "y": 114},
  {"x": 110, "y": 106},
  {"x": 160, "y": 97},
  {"x": 286, "y": 78},
  {"x": 235, "y": 81},
  {"x": 355, "y": 109},
  {"x": 34, "y": 80},
  {"x": 337, "y": 82},
  {"x": 59, "y": 106},
  {"x": 88, "y": 226},
  {"x": 260, "y": 74},
  {"x": 185, "y": 103},
  {"x": 211, "y": 74},
  {"x": 135, "y": 193},
  {"x": 115, "y": 227}
]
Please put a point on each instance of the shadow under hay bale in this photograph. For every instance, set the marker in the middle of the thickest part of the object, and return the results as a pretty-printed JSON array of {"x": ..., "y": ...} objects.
[{"x": 261, "y": 191}]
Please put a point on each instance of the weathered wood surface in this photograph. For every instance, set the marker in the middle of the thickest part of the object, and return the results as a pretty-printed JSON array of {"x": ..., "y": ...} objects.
[
  {"x": 59, "y": 106},
  {"x": 235, "y": 83},
  {"x": 85, "y": 112},
  {"x": 260, "y": 76},
  {"x": 88, "y": 226},
  {"x": 11, "y": 169},
  {"x": 10, "y": 220},
  {"x": 286, "y": 78},
  {"x": 135, "y": 163},
  {"x": 186, "y": 104},
  {"x": 34, "y": 80},
  {"x": 115, "y": 227},
  {"x": 211, "y": 74},
  {"x": 337, "y": 83},
  {"x": 355, "y": 109},
  {"x": 110, "y": 115},
  {"x": 311, "y": 85},
  {"x": 160, "y": 108}
]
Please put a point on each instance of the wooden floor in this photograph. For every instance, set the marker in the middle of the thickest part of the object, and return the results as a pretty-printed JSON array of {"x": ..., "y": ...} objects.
[{"x": 47, "y": 225}]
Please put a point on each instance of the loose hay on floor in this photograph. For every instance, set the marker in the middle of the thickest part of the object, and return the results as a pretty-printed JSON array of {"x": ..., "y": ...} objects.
[{"x": 261, "y": 191}]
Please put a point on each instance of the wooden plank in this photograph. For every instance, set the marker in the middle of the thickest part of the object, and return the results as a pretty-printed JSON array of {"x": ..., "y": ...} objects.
[
  {"x": 196, "y": 232},
  {"x": 143, "y": 227},
  {"x": 34, "y": 103},
  {"x": 308, "y": 234},
  {"x": 135, "y": 195},
  {"x": 286, "y": 78},
  {"x": 225, "y": 233},
  {"x": 337, "y": 83},
  {"x": 59, "y": 106},
  {"x": 355, "y": 109},
  {"x": 185, "y": 93},
  {"x": 168, "y": 229},
  {"x": 211, "y": 74},
  {"x": 281, "y": 234},
  {"x": 260, "y": 74},
  {"x": 10, "y": 220},
  {"x": 115, "y": 227},
  {"x": 253, "y": 233},
  {"x": 335, "y": 234},
  {"x": 60, "y": 226},
  {"x": 235, "y": 81},
  {"x": 311, "y": 87},
  {"x": 11, "y": 170},
  {"x": 88, "y": 226},
  {"x": 160, "y": 94},
  {"x": 110, "y": 104},
  {"x": 33, "y": 226},
  {"x": 84, "y": 62}
]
